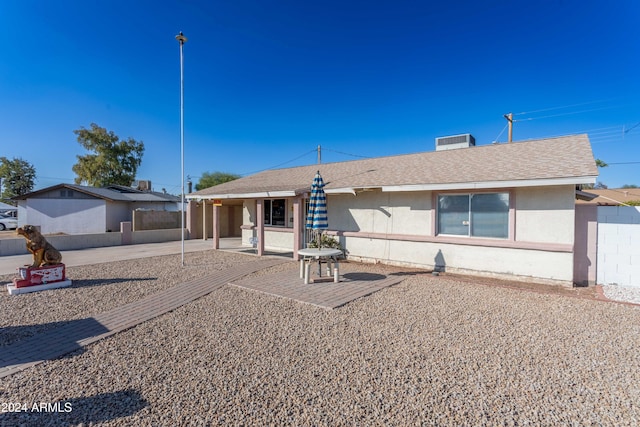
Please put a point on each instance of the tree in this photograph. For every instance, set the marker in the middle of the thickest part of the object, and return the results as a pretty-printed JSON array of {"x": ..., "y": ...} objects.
[
  {"x": 18, "y": 177},
  {"x": 114, "y": 161},
  {"x": 209, "y": 179},
  {"x": 630, "y": 186},
  {"x": 600, "y": 186}
]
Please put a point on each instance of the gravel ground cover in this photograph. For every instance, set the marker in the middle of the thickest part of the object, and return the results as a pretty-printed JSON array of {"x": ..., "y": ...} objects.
[
  {"x": 622, "y": 293},
  {"x": 429, "y": 351},
  {"x": 101, "y": 287}
]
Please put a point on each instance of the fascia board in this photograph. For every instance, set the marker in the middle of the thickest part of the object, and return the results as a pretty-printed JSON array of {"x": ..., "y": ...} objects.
[
  {"x": 491, "y": 184},
  {"x": 346, "y": 190},
  {"x": 261, "y": 195}
]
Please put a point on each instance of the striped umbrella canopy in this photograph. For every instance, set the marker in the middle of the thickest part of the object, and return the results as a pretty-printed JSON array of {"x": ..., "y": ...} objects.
[{"x": 317, "y": 216}]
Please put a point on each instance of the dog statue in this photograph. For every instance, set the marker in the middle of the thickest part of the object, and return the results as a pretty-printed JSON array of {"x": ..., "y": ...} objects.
[{"x": 43, "y": 252}]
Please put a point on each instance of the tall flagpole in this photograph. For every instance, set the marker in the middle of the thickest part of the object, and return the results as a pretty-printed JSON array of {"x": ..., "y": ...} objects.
[{"x": 182, "y": 39}]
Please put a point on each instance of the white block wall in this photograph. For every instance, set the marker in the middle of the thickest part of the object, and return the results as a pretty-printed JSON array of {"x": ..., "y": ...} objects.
[
  {"x": 78, "y": 216},
  {"x": 619, "y": 245}
]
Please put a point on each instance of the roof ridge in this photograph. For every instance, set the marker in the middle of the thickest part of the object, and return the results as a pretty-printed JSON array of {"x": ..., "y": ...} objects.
[{"x": 476, "y": 147}]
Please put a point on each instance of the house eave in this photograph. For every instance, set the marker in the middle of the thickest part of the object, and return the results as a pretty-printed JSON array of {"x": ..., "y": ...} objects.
[
  {"x": 257, "y": 195},
  {"x": 406, "y": 187},
  {"x": 345, "y": 190},
  {"x": 491, "y": 184}
]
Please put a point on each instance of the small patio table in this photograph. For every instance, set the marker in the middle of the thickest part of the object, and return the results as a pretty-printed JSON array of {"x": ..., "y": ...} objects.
[{"x": 327, "y": 255}]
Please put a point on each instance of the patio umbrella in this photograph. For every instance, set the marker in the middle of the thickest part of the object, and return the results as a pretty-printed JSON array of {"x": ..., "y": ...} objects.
[{"x": 317, "y": 216}]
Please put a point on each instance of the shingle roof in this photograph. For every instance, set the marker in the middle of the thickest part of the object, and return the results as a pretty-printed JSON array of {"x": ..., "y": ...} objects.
[
  {"x": 613, "y": 197},
  {"x": 108, "y": 194},
  {"x": 568, "y": 157}
]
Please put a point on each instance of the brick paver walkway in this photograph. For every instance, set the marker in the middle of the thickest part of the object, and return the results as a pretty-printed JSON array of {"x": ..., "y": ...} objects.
[{"x": 75, "y": 334}]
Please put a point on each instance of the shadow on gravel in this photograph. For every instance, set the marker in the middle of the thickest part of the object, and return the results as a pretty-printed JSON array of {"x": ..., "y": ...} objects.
[
  {"x": 80, "y": 410},
  {"x": 266, "y": 253},
  {"x": 364, "y": 276},
  {"x": 12, "y": 334},
  {"x": 99, "y": 282},
  {"x": 55, "y": 341},
  {"x": 411, "y": 273}
]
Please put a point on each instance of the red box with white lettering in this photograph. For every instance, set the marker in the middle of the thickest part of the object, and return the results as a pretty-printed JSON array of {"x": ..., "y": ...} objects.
[{"x": 31, "y": 276}]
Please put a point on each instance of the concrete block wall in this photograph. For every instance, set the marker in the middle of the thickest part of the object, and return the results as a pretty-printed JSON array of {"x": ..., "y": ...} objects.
[
  {"x": 154, "y": 220},
  {"x": 619, "y": 245},
  {"x": 158, "y": 236},
  {"x": 17, "y": 246}
]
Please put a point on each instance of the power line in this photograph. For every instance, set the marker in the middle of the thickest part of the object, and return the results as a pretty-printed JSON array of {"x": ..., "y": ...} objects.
[
  {"x": 346, "y": 154},
  {"x": 604, "y": 132},
  {"x": 54, "y": 177},
  {"x": 564, "y": 114},
  {"x": 592, "y": 134},
  {"x": 305, "y": 154},
  {"x": 624, "y": 163},
  {"x": 281, "y": 164},
  {"x": 501, "y": 132},
  {"x": 562, "y": 107},
  {"x": 598, "y": 129},
  {"x": 632, "y": 127}
]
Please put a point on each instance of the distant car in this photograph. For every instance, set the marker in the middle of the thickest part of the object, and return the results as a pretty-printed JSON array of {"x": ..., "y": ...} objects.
[{"x": 8, "y": 223}]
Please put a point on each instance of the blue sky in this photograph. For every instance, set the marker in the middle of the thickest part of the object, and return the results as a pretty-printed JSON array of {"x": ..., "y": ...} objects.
[{"x": 266, "y": 82}]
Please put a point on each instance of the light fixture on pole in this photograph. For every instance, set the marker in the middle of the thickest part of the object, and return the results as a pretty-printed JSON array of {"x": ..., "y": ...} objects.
[{"x": 182, "y": 39}]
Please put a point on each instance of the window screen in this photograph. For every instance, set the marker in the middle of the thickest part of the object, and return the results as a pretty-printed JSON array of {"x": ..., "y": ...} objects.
[{"x": 477, "y": 215}]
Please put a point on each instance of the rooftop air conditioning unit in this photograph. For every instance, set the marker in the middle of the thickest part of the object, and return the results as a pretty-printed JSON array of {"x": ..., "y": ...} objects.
[
  {"x": 143, "y": 185},
  {"x": 456, "y": 141}
]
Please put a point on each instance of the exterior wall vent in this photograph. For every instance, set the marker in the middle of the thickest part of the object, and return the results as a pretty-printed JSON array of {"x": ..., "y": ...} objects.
[{"x": 456, "y": 141}]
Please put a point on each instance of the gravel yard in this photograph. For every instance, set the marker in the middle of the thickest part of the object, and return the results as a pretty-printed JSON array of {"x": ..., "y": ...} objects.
[
  {"x": 429, "y": 351},
  {"x": 102, "y": 287}
]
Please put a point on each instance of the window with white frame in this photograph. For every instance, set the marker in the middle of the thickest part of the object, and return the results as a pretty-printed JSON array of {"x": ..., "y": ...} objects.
[
  {"x": 275, "y": 212},
  {"x": 474, "y": 215}
]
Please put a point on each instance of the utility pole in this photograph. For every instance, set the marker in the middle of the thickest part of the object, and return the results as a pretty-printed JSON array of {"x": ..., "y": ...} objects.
[
  {"x": 509, "y": 118},
  {"x": 319, "y": 154}
]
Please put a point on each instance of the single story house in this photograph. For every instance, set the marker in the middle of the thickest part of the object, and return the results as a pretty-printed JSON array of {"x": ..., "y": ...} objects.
[
  {"x": 80, "y": 209},
  {"x": 501, "y": 209}
]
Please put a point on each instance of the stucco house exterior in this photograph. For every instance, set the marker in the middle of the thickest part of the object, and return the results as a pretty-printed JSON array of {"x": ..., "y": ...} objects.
[
  {"x": 80, "y": 209},
  {"x": 502, "y": 209}
]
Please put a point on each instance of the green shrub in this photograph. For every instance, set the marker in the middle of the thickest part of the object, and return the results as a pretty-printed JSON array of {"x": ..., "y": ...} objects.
[{"x": 326, "y": 241}]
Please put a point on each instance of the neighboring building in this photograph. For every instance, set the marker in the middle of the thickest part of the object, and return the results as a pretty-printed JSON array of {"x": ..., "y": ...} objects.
[
  {"x": 78, "y": 209},
  {"x": 613, "y": 196},
  {"x": 501, "y": 209}
]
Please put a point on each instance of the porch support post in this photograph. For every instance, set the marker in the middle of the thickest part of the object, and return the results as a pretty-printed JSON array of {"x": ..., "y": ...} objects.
[
  {"x": 204, "y": 219},
  {"x": 192, "y": 219},
  {"x": 216, "y": 227},
  {"x": 260, "y": 226},
  {"x": 298, "y": 223},
  {"x": 585, "y": 247}
]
